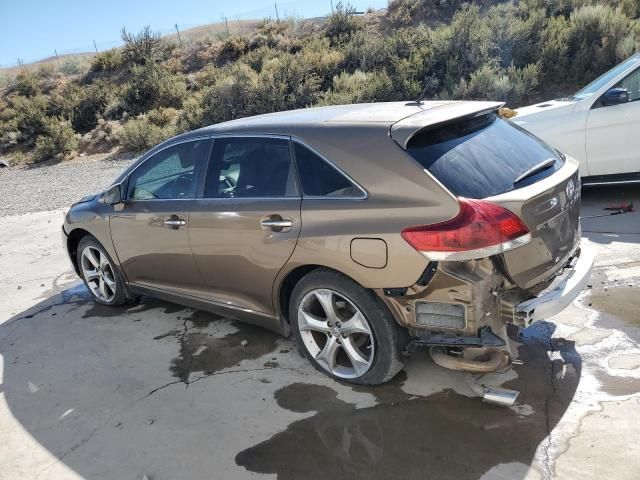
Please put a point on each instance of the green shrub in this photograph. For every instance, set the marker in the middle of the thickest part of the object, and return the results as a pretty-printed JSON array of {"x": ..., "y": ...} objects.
[
  {"x": 359, "y": 87},
  {"x": 162, "y": 117},
  {"x": 232, "y": 49},
  {"x": 24, "y": 118},
  {"x": 192, "y": 114},
  {"x": 595, "y": 33},
  {"x": 412, "y": 12},
  {"x": 322, "y": 60},
  {"x": 107, "y": 61},
  {"x": 342, "y": 23},
  {"x": 27, "y": 84},
  {"x": 70, "y": 66},
  {"x": 285, "y": 83},
  {"x": 150, "y": 86},
  {"x": 140, "y": 134},
  {"x": 58, "y": 140},
  {"x": 144, "y": 47},
  {"x": 232, "y": 96}
]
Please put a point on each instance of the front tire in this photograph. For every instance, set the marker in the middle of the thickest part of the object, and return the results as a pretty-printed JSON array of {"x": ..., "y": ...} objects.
[
  {"x": 100, "y": 274},
  {"x": 344, "y": 330}
]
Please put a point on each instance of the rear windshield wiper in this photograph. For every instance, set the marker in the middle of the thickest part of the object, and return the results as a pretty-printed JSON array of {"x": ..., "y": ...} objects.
[{"x": 543, "y": 165}]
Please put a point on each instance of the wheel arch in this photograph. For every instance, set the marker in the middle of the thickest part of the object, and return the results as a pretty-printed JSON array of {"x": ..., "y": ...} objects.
[
  {"x": 73, "y": 240},
  {"x": 286, "y": 286}
]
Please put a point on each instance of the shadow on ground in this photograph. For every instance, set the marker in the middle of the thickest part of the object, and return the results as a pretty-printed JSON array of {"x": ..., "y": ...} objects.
[
  {"x": 443, "y": 436},
  {"x": 71, "y": 366}
]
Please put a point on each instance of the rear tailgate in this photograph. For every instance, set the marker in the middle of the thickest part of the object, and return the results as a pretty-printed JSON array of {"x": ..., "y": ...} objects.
[
  {"x": 551, "y": 210},
  {"x": 480, "y": 156}
]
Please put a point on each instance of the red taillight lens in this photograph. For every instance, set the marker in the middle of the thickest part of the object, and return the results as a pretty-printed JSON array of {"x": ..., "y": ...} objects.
[{"x": 480, "y": 229}]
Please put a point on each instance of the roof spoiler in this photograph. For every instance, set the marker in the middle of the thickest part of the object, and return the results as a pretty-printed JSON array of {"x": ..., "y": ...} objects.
[{"x": 404, "y": 130}]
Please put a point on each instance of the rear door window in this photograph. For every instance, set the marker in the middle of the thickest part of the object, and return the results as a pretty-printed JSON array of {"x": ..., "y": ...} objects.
[
  {"x": 483, "y": 156},
  {"x": 250, "y": 167}
]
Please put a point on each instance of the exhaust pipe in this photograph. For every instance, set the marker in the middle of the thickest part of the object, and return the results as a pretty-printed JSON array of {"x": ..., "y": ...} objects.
[
  {"x": 495, "y": 395},
  {"x": 497, "y": 360}
]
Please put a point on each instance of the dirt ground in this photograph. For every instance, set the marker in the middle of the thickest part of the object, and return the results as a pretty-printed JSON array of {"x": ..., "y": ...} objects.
[{"x": 164, "y": 391}]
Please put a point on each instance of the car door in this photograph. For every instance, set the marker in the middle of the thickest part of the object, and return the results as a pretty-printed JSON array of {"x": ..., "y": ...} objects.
[
  {"x": 246, "y": 225},
  {"x": 612, "y": 140},
  {"x": 149, "y": 228}
]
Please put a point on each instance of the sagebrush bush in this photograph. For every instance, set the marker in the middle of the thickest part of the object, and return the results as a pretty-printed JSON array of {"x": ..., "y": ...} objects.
[
  {"x": 107, "y": 61},
  {"x": 232, "y": 49},
  {"x": 71, "y": 67},
  {"x": 151, "y": 85},
  {"x": 144, "y": 47},
  {"x": 140, "y": 134},
  {"x": 27, "y": 84},
  {"x": 342, "y": 23},
  {"x": 59, "y": 139},
  {"x": 24, "y": 119},
  {"x": 359, "y": 87}
]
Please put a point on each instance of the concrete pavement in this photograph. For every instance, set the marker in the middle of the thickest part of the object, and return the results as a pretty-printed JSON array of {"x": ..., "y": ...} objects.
[{"x": 160, "y": 390}]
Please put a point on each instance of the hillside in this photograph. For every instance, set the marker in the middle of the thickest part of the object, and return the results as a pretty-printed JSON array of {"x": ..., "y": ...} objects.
[
  {"x": 201, "y": 33},
  {"x": 153, "y": 87}
]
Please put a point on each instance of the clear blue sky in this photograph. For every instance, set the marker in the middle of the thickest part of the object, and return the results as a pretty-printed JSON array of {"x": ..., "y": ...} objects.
[{"x": 32, "y": 29}]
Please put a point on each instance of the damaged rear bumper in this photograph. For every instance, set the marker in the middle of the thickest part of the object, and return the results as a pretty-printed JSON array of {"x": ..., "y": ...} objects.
[{"x": 563, "y": 290}]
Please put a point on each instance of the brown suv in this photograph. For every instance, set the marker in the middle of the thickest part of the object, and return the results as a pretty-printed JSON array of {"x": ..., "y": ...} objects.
[{"x": 362, "y": 230}]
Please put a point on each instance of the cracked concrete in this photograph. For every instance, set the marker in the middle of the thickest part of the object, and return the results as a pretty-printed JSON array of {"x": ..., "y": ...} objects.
[{"x": 160, "y": 390}]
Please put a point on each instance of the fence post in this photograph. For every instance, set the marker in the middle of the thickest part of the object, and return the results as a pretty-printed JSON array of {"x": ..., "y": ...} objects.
[
  {"x": 179, "y": 39},
  {"x": 95, "y": 46},
  {"x": 277, "y": 16},
  {"x": 57, "y": 58}
]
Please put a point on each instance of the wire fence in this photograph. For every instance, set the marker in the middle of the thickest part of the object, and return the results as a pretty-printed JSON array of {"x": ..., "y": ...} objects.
[{"x": 227, "y": 23}]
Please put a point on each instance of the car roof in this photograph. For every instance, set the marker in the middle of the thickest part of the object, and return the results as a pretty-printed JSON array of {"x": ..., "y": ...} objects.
[{"x": 386, "y": 113}]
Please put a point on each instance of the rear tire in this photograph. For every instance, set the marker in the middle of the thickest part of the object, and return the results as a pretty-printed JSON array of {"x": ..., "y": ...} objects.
[
  {"x": 100, "y": 274},
  {"x": 345, "y": 330}
]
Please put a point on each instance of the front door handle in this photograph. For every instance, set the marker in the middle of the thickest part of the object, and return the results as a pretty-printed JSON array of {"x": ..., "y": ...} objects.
[
  {"x": 174, "y": 222},
  {"x": 276, "y": 223}
]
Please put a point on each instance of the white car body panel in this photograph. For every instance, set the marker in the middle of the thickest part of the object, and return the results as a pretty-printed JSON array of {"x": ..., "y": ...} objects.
[{"x": 604, "y": 139}]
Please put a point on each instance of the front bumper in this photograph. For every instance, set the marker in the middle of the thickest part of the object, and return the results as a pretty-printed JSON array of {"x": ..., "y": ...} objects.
[{"x": 563, "y": 290}]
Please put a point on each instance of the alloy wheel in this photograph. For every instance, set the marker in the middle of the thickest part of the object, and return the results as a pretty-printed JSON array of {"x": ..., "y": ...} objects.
[
  {"x": 99, "y": 274},
  {"x": 336, "y": 333}
]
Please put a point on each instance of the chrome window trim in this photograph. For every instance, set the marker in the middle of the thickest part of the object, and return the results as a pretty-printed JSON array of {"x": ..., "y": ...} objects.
[
  {"x": 213, "y": 136},
  {"x": 365, "y": 193}
]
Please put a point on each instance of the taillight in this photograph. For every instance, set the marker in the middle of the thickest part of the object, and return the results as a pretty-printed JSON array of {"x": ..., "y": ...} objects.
[{"x": 481, "y": 229}]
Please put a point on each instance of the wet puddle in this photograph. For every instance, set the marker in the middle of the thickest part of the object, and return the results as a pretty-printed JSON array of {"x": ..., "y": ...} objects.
[
  {"x": 202, "y": 352},
  {"x": 144, "y": 305},
  {"x": 622, "y": 302},
  {"x": 617, "y": 386},
  {"x": 619, "y": 308},
  {"x": 443, "y": 436}
]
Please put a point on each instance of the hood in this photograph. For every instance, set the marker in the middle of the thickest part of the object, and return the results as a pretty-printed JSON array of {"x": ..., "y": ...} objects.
[{"x": 549, "y": 109}]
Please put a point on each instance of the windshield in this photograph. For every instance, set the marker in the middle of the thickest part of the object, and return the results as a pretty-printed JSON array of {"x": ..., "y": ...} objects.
[{"x": 605, "y": 78}]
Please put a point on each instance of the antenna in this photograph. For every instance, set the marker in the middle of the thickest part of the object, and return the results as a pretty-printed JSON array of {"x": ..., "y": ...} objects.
[{"x": 423, "y": 94}]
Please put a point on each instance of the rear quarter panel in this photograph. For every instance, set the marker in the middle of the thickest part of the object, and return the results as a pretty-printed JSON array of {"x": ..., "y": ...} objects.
[{"x": 399, "y": 194}]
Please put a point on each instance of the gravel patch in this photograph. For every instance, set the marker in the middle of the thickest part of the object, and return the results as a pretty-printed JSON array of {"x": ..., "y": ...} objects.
[{"x": 57, "y": 185}]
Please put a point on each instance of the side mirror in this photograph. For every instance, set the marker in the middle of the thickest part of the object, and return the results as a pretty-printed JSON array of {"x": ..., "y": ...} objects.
[
  {"x": 112, "y": 196},
  {"x": 615, "y": 96}
]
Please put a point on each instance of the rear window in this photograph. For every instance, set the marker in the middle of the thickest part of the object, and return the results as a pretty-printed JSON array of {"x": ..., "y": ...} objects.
[{"x": 482, "y": 156}]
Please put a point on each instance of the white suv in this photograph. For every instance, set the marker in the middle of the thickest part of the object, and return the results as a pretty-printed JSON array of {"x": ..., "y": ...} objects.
[{"x": 599, "y": 125}]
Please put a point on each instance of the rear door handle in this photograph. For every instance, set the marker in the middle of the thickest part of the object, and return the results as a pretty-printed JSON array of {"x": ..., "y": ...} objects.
[
  {"x": 174, "y": 222},
  {"x": 276, "y": 223}
]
